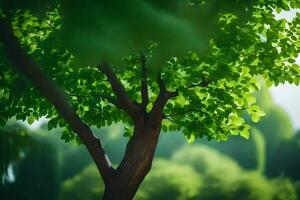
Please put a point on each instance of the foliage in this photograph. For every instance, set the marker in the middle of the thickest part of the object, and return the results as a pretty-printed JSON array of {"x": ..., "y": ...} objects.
[
  {"x": 215, "y": 85},
  {"x": 139, "y": 22},
  {"x": 231, "y": 66}
]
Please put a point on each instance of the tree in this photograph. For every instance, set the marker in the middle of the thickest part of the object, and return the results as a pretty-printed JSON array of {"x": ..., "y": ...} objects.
[{"x": 203, "y": 88}]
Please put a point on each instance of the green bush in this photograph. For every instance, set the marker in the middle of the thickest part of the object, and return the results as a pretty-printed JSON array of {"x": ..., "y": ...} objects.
[
  {"x": 297, "y": 188},
  {"x": 283, "y": 189},
  {"x": 247, "y": 186},
  {"x": 252, "y": 186},
  {"x": 86, "y": 185},
  {"x": 170, "y": 181},
  {"x": 222, "y": 176},
  {"x": 219, "y": 171},
  {"x": 206, "y": 160}
]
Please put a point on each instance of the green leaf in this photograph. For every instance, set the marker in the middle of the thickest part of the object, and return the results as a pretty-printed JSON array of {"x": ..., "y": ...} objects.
[
  {"x": 269, "y": 83},
  {"x": 78, "y": 140},
  {"x": 245, "y": 134},
  {"x": 256, "y": 113},
  {"x": 86, "y": 108},
  {"x": 250, "y": 99},
  {"x": 30, "y": 119},
  {"x": 191, "y": 138},
  {"x": 67, "y": 137}
]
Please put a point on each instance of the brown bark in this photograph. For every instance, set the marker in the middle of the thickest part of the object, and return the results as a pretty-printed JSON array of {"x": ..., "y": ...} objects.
[{"x": 135, "y": 165}]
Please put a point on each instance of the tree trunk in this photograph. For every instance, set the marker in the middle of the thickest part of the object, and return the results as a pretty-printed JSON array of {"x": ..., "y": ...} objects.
[{"x": 134, "y": 167}]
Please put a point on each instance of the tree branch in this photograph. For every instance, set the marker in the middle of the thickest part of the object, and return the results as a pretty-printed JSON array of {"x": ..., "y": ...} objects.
[
  {"x": 163, "y": 89},
  {"x": 156, "y": 114},
  {"x": 203, "y": 83},
  {"x": 144, "y": 82},
  {"x": 50, "y": 91},
  {"x": 123, "y": 101}
]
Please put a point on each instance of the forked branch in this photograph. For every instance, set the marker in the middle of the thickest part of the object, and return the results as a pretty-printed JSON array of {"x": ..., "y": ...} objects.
[
  {"x": 123, "y": 101},
  {"x": 156, "y": 114},
  {"x": 163, "y": 91}
]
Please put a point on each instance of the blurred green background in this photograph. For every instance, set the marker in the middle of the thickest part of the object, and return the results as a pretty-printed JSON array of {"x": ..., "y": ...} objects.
[{"x": 36, "y": 164}]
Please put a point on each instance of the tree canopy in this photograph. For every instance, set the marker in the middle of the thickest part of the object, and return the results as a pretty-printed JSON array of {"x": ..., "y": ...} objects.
[{"x": 214, "y": 85}]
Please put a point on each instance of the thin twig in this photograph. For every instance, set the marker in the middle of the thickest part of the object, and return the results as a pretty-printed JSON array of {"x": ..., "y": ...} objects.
[
  {"x": 203, "y": 83},
  {"x": 144, "y": 82}
]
